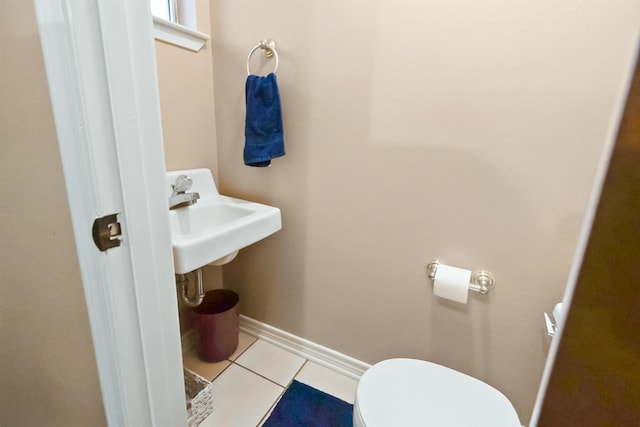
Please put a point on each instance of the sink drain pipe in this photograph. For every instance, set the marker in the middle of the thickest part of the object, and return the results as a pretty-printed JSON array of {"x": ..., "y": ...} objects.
[{"x": 183, "y": 282}]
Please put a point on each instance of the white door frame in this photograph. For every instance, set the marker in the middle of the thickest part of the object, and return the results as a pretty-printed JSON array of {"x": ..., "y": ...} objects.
[{"x": 101, "y": 68}]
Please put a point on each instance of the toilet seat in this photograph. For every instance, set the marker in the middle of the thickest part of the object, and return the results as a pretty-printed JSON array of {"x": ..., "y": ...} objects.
[{"x": 416, "y": 393}]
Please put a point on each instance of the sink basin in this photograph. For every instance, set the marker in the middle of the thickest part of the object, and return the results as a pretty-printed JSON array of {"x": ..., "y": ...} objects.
[
  {"x": 206, "y": 218},
  {"x": 212, "y": 230}
]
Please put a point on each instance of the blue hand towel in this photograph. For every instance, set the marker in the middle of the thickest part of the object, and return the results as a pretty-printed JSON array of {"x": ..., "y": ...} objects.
[{"x": 264, "y": 138}]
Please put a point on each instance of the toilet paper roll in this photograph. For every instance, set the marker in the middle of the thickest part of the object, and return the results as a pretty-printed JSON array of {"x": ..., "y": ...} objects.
[{"x": 452, "y": 283}]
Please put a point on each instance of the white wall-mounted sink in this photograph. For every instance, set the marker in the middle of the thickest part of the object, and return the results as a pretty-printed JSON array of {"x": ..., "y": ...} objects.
[{"x": 212, "y": 230}]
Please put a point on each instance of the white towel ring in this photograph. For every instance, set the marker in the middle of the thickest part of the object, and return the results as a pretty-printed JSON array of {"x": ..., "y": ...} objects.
[{"x": 268, "y": 49}]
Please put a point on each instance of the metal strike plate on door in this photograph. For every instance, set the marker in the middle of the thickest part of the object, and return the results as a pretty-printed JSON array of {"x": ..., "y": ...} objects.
[{"x": 106, "y": 232}]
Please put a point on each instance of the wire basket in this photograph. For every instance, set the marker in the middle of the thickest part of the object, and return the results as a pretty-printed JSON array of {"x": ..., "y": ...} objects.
[{"x": 199, "y": 397}]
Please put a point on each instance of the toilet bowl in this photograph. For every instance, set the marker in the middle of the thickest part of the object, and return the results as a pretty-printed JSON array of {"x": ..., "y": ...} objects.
[{"x": 412, "y": 393}]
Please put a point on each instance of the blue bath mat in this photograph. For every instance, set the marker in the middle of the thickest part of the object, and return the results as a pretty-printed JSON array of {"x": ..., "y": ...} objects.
[{"x": 304, "y": 406}]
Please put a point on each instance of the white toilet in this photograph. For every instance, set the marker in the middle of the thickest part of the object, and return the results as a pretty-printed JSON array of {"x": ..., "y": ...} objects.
[{"x": 416, "y": 393}]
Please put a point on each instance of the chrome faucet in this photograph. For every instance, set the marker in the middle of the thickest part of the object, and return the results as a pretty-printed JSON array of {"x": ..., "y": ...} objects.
[{"x": 180, "y": 197}]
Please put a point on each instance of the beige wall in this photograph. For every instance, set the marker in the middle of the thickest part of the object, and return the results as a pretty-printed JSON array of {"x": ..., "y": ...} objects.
[
  {"x": 48, "y": 373},
  {"x": 467, "y": 131},
  {"x": 188, "y": 120},
  {"x": 186, "y": 101}
]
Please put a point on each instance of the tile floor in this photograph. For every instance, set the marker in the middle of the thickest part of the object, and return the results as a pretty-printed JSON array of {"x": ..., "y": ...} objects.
[{"x": 247, "y": 386}]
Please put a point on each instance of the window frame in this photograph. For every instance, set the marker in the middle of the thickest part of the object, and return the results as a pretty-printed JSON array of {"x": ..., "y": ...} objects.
[{"x": 173, "y": 31}]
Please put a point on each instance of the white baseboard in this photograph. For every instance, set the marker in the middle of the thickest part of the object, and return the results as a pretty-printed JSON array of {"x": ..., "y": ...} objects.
[
  {"x": 321, "y": 355},
  {"x": 316, "y": 353}
]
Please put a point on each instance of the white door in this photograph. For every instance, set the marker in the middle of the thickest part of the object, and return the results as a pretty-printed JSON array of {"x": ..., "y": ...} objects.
[{"x": 101, "y": 70}]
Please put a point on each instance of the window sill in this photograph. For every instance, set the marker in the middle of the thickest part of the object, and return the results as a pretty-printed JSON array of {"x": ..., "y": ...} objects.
[{"x": 178, "y": 35}]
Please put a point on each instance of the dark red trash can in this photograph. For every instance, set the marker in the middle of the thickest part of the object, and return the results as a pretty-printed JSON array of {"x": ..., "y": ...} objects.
[{"x": 216, "y": 325}]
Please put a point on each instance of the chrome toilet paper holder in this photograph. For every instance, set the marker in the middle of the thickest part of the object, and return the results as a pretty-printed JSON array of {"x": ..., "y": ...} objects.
[{"x": 482, "y": 281}]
